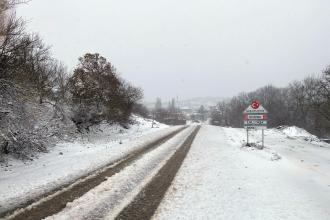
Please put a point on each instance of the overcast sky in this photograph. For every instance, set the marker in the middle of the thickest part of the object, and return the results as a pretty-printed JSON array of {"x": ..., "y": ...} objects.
[{"x": 190, "y": 48}]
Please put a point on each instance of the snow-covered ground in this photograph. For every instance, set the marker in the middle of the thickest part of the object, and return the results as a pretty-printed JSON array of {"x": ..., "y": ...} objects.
[
  {"x": 111, "y": 196},
  {"x": 220, "y": 179},
  {"x": 21, "y": 181}
]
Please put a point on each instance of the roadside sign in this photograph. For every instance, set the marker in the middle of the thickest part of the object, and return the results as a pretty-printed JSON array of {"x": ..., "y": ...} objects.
[
  {"x": 259, "y": 110},
  {"x": 253, "y": 127},
  {"x": 249, "y": 116},
  {"x": 255, "y": 104},
  {"x": 255, "y": 118},
  {"x": 255, "y": 122}
]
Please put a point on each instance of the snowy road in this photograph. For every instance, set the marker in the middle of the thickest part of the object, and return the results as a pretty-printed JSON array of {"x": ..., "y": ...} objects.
[
  {"x": 109, "y": 198},
  {"x": 221, "y": 180},
  {"x": 218, "y": 179}
]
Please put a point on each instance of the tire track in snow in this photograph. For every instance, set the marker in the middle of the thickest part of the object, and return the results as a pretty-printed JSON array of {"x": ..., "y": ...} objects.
[
  {"x": 54, "y": 203},
  {"x": 146, "y": 202}
]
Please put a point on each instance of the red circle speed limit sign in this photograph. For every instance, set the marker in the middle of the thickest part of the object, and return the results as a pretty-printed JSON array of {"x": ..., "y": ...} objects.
[{"x": 255, "y": 104}]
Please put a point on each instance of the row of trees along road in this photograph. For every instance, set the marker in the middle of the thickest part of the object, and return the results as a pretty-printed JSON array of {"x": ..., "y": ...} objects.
[
  {"x": 94, "y": 92},
  {"x": 303, "y": 103}
]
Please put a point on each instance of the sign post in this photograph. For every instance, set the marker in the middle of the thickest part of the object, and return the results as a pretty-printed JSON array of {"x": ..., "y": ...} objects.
[
  {"x": 247, "y": 136},
  {"x": 255, "y": 118},
  {"x": 262, "y": 138}
]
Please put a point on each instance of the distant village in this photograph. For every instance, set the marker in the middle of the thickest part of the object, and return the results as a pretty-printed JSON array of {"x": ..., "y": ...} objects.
[{"x": 198, "y": 110}]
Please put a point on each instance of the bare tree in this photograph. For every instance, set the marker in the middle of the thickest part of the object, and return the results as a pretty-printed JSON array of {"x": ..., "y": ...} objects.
[
  {"x": 61, "y": 82},
  {"x": 13, "y": 48},
  {"x": 318, "y": 93},
  {"x": 5, "y": 6}
]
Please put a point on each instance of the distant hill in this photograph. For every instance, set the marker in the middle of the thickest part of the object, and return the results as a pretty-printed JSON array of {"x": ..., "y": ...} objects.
[{"x": 193, "y": 103}]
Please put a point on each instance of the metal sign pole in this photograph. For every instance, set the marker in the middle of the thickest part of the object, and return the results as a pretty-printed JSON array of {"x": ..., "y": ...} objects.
[
  {"x": 262, "y": 138},
  {"x": 247, "y": 137}
]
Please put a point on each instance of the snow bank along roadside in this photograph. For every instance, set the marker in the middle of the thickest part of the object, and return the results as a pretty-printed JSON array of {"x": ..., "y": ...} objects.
[
  {"x": 111, "y": 196},
  {"x": 296, "y": 132},
  {"x": 69, "y": 161},
  {"x": 221, "y": 180},
  {"x": 293, "y": 145}
]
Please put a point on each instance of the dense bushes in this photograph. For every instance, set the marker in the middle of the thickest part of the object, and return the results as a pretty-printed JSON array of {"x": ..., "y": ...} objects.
[
  {"x": 16, "y": 130},
  {"x": 98, "y": 93}
]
